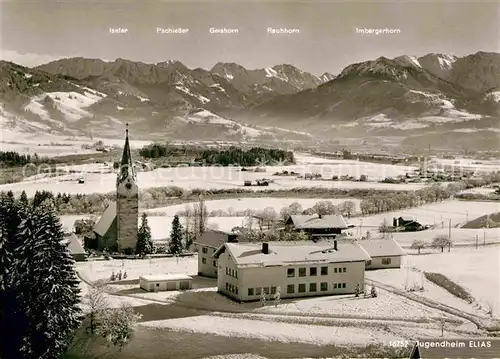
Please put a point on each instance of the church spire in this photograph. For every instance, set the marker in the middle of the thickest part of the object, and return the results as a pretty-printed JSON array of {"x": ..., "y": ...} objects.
[{"x": 126, "y": 164}]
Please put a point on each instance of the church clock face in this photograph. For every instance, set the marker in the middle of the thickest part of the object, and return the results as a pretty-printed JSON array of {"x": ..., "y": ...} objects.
[{"x": 128, "y": 185}]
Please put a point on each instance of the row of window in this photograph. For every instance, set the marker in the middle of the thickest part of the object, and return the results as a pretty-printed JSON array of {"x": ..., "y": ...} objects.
[
  {"x": 259, "y": 291},
  {"x": 231, "y": 288},
  {"x": 290, "y": 289},
  {"x": 313, "y": 271},
  {"x": 231, "y": 272}
]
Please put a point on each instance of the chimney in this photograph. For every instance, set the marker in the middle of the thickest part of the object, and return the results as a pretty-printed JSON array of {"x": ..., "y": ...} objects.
[
  {"x": 265, "y": 248},
  {"x": 335, "y": 245}
]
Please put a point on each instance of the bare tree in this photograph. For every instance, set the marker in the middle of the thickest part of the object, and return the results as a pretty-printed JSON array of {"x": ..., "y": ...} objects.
[
  {"x": 269, "y": 216},
  {"x": 322, "y": 208},
  {"x": 418, "y": 245},
  {"x": 347, "y": 208},
  {"x": 441, "y": 241},
  {"x": 117, "y": 325},
  {"x": 95, "y": 300},
  {"x": 201, "y": 212}
]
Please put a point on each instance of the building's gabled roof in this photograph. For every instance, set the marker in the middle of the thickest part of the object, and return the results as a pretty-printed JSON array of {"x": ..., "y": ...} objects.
[
  {"x": 407, "y": 218},
  {"x": 281, "y": 253},
  {"x": 213, "y": 238},
  {"x": 74, "y": 244},
  {"x": 315, "y": 222},
  {"x": 106, "y": 219},
  {"x": 382, "y": 247}
]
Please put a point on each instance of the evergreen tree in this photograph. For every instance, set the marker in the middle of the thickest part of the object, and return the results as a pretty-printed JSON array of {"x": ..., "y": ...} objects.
[
  {"x": 176, "y": 236},
  {"x": 23, "y": 199},
  {"x": 48, "y": 287},
  {"x": 144, "y": 243},
  {"x": 11, "y": 338}
]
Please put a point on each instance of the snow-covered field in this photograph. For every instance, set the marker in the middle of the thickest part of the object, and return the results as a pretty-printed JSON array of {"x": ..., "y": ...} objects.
[
  {"x": 94, "y": 270},
  {"x": 200, "y": 177},
  {"x": 274, "y": 331},
  {"x": 407, "y": 278},
  {"x": 433, "y": 214},
  {"x": 459, "y": 236},
  {"x": 477, "y": 270},
  {"x": 467, "y": 164},
  {"x": 242, "y": 204},
  {"x": 385, "y": 306}
]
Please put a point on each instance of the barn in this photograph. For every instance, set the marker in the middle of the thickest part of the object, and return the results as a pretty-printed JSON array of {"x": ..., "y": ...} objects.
[{"x": 165, "y": 282}]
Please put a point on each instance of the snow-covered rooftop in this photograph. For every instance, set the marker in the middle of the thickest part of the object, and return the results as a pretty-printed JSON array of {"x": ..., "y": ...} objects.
[
  {"x": 251, "y": 254},
  {"x": 164, "y": 277},
  {"x": 382, "y": 247}
]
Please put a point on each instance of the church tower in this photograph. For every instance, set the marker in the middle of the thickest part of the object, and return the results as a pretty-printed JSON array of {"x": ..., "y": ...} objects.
[{"x": 127, "y": 202}]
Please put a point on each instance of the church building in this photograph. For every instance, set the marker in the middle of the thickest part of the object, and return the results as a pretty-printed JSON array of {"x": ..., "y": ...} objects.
[{"x": 116, "y": 230}]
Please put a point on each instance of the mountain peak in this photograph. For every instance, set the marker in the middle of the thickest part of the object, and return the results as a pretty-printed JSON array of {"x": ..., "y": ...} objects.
[{"x": 407, "y": 60}]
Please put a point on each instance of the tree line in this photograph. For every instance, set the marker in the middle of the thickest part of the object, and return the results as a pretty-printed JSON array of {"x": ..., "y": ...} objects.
[
  {"x": 15, "y": 159},
  {"x": 226, "y": 157}
]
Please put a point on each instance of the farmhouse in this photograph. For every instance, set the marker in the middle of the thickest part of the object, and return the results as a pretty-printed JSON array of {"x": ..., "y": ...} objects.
[
  {"x": 408, "y": 223},
  {"x": 163, "y": 282},
  {"x": 384, "y": 253},
  {"x": 246, "y": 270},
  {"x": 207, "y": 244},
  {"x": 117, "y": 228},
  {"x": 317, "y": 226}
]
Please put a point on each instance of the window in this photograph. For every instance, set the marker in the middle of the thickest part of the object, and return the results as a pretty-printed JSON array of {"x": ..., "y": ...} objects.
[
  {"x": 290, "y": 288},
  {"x": 235, "y": 290},
  {"x": 324, "y": 286},
  {"x": 258, "y": 291},
  {"x": 204, "y": 260},
  {"x": 265, "y": 290},
  {"x": 312, "y": 287},
  {"x": 313, "y": 271},
  {"x": 324, "y": 270},
  {"x": 214, "y": 263},
  {"x": 302, "y": 288},
  {"x": 334, "y": 270},
  {"x": 344, "y": 269},
  {"x": 232, "y": 272},
  {"x": 204, "y": 250},
  {"x": 236, "y": 274},
  {"x": 227, "y": 286},
  {"x": 334, "y": 285},
  {"x": 290, "y": 272},
  {"x": 250, "y": 291},
  {"x": 227, "y": 270},
  {"x": 157, "y": 284},
  {"x": 273, "y": 290},
  {"x": 302, "y": 272},
  {"x": 343, "y": 285},
  {"x": 386, "y": 261}
]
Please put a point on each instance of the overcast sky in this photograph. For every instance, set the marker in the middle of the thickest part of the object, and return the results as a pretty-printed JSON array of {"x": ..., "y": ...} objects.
[{"x": 35, "y": 32}]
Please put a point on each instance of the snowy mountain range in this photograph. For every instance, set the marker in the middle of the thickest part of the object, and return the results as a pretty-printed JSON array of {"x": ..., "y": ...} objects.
[{"x": 404, "y": 96}]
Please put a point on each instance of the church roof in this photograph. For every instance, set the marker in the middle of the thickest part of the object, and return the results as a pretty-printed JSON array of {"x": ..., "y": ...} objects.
[
  {"x": 74, "y": 245},
  {"x": 106, "y": 220},
  {"x": 156, "y": 224},
  {"x": 126, "y": 164}
]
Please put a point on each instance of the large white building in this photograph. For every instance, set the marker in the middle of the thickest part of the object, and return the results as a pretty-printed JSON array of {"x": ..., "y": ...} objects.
[{"x": 245, "y": 270}]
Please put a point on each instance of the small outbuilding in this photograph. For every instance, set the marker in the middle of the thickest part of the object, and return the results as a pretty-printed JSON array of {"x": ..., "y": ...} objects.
[
  {"x": 384, "y": 253},
  {"x": 164, "y": 282}
]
